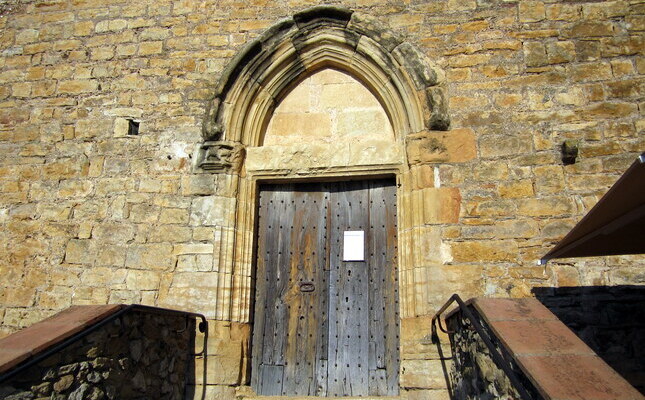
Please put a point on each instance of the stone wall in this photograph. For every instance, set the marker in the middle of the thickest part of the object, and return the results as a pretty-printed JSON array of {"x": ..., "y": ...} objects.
[
  {"x": 473, "y": 373},
  {"x": 91, "y": 214},
  {"x": 327, "y": 107},
  {"x": 138, "y": 355}
]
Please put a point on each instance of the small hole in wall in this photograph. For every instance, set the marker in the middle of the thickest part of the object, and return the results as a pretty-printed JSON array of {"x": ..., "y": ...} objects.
[{"x": 133, "y": 127}]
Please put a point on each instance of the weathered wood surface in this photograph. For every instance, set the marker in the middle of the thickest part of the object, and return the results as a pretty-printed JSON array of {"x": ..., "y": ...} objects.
[{"x": 324, "y": 326}]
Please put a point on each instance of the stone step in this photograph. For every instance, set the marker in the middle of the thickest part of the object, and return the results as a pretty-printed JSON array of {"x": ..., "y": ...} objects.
[
  {"x": 256, "y": 397},
  {"x": 246, "y": 393}
]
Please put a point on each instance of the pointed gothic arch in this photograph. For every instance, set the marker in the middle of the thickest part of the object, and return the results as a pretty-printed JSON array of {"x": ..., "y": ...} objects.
[{"x": 405, "y": 82}]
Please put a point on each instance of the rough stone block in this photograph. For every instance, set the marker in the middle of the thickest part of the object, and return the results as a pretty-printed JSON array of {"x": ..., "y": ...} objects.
[
  {"x": 103, "y": 276},
  {"x": 307, "y": 125},
  {"x": 514, "y": 190},
  {"x": 512, "y": 229},
  {"x": 535, "y": 54},
  {"x": 439, "y": 205},
  {"x": 170, "y": 233},
  {"x": 546, "y": 206},
  {"x": 80, "y": 252},
  {"x": 17, "y": 297},
  {"x": 589, "y": 72},
  {"x": 363, "y": 123},
  {"x": 592, "y": 29},
  {"x": 212, "y": 210},
  {"x": 113, "y": 233},
  {"x": 560, "y": 52},
  {"x": 549, "y": 179},
  {"x": 426, "y": 374},
  {"x": 148, "y": 48},
  {"x": 144, "y": 213},
  {"x": 150, "y": 256},
  {"x": 193, "y": 248},
  {"x": 485, "y": 251},
  {"x": 531, "y": 11},
  {"x": 174, "y": 216},
  {"x": 142, "y": 280},
  {"x": 503, "y": 145},
  {"x": 121, "y": 127},
  {"x": 201, "y": 184},
  {"x": 457, "y": 145},
  {"x": 55, "y": 297},
  {"x": 110, "y": 255}
]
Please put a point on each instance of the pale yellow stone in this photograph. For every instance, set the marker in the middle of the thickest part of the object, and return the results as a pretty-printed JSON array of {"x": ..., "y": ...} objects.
[
  {"x": 482, "y": 251},
  {"x": 301, "y": 125},
  {"x": 150, "y": 256},
  {"x": 102, "y": 53},
  {"x": 102, "y": 275},
  {"x": 55, "y": 297},
  {"x": 79, "y": 252},
  {"x": 457, "y": 145},
  {"x": 170, "y": 233},
  {"x": 77, "y": 86},
  {"x": 426, "y": 374},
  {"x": 142, "y": 280},
  {"x": 363, "y": 123},
  {"x": 515, "y": 190},
  {"x": 193, "y": 248},
  {"x": 546, "y": 206},
  {"x": 148, "y": 48},
  {"x": 327, "y": 106},
  {"x": 17, "y": 297},
  {"x": 121, "y": 126}
]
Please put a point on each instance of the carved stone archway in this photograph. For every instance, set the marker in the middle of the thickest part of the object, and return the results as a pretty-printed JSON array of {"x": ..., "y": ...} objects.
[{"x": 404, "y": 81}]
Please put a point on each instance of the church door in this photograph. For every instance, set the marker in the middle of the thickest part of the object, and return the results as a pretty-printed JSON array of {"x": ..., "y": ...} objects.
[{"x": 326, "y": 317}]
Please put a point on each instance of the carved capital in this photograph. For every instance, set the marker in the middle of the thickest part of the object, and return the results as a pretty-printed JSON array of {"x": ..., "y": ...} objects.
[{"x": 221, "y": 156}]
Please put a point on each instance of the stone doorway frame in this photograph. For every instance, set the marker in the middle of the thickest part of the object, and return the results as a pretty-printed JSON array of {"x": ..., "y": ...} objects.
[{"x": 405, "y": 82}]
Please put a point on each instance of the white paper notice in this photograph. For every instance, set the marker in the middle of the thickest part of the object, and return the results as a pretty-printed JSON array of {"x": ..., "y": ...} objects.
[{"x": 354, "y": 246}]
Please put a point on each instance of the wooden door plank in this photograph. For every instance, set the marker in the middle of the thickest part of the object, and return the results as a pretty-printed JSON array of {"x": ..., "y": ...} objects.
[
  {"x": 322, "y": 279},
  {"x": 392, "y": 294},
  {"x": 378, "y": 382},
  {"x": 383, "y": 293},
  {"x": 377, "y": 274},
  {"x": 260, "y": 291},
  {"x": 348, "y": 338},
  {"x": 308, "y": 227},
  {"x": 271, "y": 380},
  {"x": 276, "y": 354}
]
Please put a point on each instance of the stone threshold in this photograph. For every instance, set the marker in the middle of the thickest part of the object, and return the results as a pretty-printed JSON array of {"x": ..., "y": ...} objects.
[
  {"x": 246, "y": 393},
  {"x": 318, "y": 398}
]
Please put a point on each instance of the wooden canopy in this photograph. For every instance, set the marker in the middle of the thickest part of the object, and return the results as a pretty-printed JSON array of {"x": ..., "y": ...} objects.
[{"x": 615, "y": 225}]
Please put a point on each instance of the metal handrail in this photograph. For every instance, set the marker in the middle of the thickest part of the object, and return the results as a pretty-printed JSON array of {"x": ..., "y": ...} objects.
[
  {"x": 202, "y": 326},
  {"x": 495, "y": 354}
]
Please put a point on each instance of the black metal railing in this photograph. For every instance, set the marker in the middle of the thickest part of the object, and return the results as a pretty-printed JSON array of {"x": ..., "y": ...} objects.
[
  {"x": 483, "y": 333},
  {"x": 202, "y": 326}
]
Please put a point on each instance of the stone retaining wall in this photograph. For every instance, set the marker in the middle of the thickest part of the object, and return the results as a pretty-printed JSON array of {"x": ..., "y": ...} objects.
[
  {"x": 473, "y": 373},
  {"x": 139, "y": 355}
]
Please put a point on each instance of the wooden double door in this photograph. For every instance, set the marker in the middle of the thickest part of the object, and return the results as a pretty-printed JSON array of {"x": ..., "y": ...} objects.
[{"x": 326, "y": 317}]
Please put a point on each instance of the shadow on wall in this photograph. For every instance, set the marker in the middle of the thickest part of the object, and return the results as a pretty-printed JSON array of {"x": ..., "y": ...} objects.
[{"x": 609, "y": 319}]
